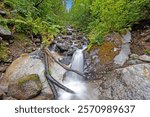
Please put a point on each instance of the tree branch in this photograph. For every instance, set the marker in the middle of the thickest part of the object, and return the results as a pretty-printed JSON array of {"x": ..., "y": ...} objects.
[
  {"x": 65, "y": 67},
  {"x": 52, "y": 80}
]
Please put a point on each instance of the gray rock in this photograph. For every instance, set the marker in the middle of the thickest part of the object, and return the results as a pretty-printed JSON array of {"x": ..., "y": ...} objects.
[
  {"x": 127, "y": 37},
  {"x": 62, "y": 47},
  {"x": 4, "y": 33},
  {"x": 123, "y": 55},
  {"x": 69, "y": 33},
  {"x": 25, "y": 65},
  {"x": 25, "y": 88},
  {"x": 145, "y": 58},
  {"x": 29, "y": 64},
  {"x": 134, "y": 62},
  {"x": 130, "y": 83},
  {"x": 134, "y": 56}
]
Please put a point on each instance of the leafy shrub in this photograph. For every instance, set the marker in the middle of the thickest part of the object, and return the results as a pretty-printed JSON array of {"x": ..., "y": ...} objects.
[
  {"x": 101, "y": 17},
  {"x": 36, "y": 16}
]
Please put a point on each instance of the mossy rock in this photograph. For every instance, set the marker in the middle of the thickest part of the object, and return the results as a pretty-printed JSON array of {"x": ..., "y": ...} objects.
[
  {"x": 26, "y": 87},
  {"x": 33, "y": 77}
]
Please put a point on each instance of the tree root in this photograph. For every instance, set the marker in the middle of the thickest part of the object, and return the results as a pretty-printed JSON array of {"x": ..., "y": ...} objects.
[{"x": 52, "y": 82}]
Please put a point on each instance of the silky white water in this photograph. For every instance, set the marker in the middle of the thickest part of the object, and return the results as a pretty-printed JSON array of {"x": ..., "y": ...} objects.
[{"x": 76, "y": 82}]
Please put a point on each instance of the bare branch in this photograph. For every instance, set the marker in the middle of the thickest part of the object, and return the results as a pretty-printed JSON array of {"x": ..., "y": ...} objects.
[{"x": 65, "y": 67}]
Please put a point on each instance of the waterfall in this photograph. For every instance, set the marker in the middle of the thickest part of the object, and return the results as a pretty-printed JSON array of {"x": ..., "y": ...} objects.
[
  {"x": 77, "y": 64},
  {"x": 76, "y": 82}
]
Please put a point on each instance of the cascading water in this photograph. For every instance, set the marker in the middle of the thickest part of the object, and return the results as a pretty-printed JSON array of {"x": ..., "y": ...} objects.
[{"x": 76, "y": 82}]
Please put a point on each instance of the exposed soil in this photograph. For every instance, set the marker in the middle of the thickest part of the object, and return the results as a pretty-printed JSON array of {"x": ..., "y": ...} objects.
[
  {"x": 141, "y": 38},
  {"x": 21, "y": 44}
]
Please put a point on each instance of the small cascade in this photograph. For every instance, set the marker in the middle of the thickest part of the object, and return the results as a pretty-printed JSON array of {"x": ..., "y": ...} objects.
[
  {"x": 77, "y": 64},
  {"x": 76, "y": 82}
]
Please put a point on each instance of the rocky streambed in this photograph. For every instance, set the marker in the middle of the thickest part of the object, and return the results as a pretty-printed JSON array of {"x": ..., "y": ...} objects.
[{"x": 113, "y": 70}]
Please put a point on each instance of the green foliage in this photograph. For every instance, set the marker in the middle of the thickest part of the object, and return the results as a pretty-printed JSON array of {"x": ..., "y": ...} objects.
[
  {"x": 147, "y": 52},
  {"x": 3, "y": 52},
  {"x": 37, "y": 16},
  {"x": 100, "y": 17}
]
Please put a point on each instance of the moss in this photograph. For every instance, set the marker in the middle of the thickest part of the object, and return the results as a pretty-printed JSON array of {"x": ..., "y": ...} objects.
[
  {"x": 22, "y": 39},
  {"x": 147, "y": 52},
  {"x": 3, "y": 52},
  {"x": 24, "y": 79},
  {"x": 106, "y": 52}
]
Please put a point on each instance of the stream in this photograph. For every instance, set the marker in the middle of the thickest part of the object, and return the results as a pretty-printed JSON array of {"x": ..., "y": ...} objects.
[
  {"x": 110, "y": 71},
  {"x": 71, "y": 47}
]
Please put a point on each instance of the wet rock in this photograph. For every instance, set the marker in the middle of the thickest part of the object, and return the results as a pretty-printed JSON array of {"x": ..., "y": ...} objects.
[
  {"x": 66, "y": 60},
  {"x": 66, "y": 37},
  {"x": 25, "y": 88},
  {"x": 145, "y": 58},
  {"x": 5, "y": 34},
  {"x": 62, "y": 47},
  {"x": 69, "y": 33},
  {"x": 2, "y": 13},
  {"x": 129, "y": 83},
  {"x": 70, "y": 52}
]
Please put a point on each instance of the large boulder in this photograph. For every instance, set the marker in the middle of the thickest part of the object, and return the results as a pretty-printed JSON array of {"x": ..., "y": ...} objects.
[
  {"x": 26, "y": 65},
  {"x": 29, "y": 64},
  {"x": 25, "y": 88},
  {"x": 129, "y": 83}
]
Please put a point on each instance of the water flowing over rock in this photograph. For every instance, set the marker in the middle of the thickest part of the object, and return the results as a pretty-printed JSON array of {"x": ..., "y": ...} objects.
[
  {"x": 76, "y": 82},
  {"x": 129, "y": 83},
  {"x": 25, "y": 88}
]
